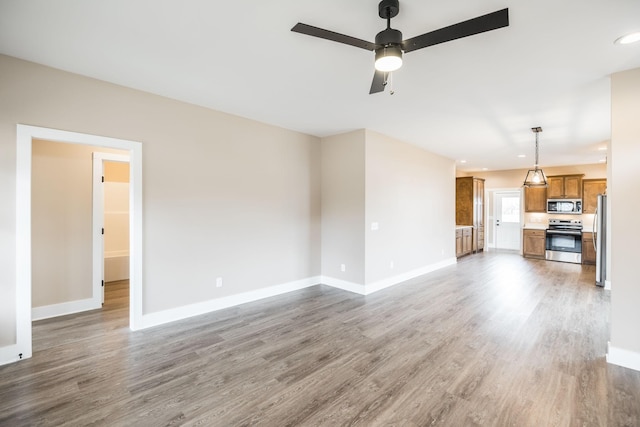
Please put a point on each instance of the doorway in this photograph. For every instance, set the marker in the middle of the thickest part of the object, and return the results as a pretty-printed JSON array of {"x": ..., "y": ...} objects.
[
  {"x": 111, "y": 218},
  {"x": 506, "y": 224},
  {"x": 25, "y": 136}
]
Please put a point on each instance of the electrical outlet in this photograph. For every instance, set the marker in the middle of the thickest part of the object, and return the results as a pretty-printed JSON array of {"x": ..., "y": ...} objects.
[
  {"x": 219, "y": 282},
  {"x": 343, "y": 267}
]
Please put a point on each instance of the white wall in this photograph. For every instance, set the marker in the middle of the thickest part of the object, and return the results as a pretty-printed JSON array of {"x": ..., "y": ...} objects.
[
  {"x": 343, "y": 206},
  {"x": 625, "y": 204},
  {"x": 116, "y": 226},
  {"x": 223, "y": 196},
  {"x": 410, "y": 194}
]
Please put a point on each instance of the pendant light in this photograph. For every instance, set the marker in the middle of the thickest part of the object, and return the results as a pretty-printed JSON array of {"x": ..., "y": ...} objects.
[{"x": 535, "y": 177}]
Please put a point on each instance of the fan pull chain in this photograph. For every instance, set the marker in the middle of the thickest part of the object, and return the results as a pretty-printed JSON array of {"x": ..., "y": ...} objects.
[{"x": 390, "y": 81}]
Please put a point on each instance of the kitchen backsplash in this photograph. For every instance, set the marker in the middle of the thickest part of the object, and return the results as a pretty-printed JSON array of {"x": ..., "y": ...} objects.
[{"x": 542, "y": 219}]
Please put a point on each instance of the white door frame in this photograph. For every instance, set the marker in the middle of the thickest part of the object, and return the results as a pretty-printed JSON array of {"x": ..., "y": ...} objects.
[
  {"x": 25, "y": 136},
  {"x": 98, "y": 219}
]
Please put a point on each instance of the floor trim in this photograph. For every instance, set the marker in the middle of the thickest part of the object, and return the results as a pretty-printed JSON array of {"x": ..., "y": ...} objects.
[
  {"x": 412, "y": 274},
  {"x": 186, "y": 311},
  {"x": 356, "y": 288},
  {"x": 625, "y": 358},
  {"x": 9, "y": 354},
  {"x": 64, "y": 308}
]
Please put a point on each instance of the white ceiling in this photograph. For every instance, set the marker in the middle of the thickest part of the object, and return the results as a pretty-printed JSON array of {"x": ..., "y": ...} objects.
[{"x": 474, "y": 99}]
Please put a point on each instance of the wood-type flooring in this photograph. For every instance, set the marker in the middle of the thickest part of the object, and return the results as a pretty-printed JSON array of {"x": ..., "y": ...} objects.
[{"x": 496, "y": 340}]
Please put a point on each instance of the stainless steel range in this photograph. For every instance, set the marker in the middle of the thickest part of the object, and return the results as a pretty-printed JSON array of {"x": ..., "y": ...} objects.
[{"x": 564, "y": 240}]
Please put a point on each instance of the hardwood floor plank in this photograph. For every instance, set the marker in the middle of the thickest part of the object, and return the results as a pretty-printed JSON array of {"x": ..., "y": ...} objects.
[{"x": 496, "y": 340}]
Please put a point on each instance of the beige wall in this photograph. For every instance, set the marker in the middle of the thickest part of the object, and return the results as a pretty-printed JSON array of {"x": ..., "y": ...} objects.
[
  {"x": 410, "y": 193},
  {"x": 116, "y": 171},
  {"x": 223, "y": 196},
  {"x": 625, "y": 205},
  {"x": 61, "y": 222},
  {"x": 343, "y": 206}
]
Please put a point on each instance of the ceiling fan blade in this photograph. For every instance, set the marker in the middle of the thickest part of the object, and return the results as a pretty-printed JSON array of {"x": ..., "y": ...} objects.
[
  {"x": 330, "y": 35},
  {"x": 379, "y": 82},
  {"x": 481, "y": 24}
]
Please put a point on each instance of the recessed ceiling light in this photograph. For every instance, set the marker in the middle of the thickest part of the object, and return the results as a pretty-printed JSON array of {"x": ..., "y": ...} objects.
[
  {"x": 485, "y": 169},
  {"x": 629, "y": 38},
  {"x": 463, "y": 161},
  {"x": 522, "y": 156},
  {"x": 602, "y": 149}
]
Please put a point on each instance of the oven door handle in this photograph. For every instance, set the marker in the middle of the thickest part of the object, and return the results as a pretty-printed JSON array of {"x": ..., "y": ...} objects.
[{"x": 565, "y": 232}]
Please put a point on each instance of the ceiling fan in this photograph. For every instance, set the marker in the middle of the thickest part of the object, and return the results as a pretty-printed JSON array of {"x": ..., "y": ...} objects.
[{"x": 389, "y": 45}]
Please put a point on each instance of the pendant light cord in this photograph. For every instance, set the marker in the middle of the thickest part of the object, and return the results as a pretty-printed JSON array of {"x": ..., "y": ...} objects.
[{"x": 536, "y": 164}]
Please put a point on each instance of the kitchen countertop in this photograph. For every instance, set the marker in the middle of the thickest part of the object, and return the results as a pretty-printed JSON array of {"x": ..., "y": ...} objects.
[{"x": 535, "y": 226}]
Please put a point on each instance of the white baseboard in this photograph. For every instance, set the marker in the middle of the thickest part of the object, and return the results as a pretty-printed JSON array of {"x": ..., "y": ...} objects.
[
  {"x": 387, "y": 282},
  {"x": 186, "y": 311},
  {"x": 356, "y": 288},
  {"x": 607, "y": 285},
  {"x": 395, "y": 280},
  {"x": 625, "y": 358},
  {"x": 10, "y": 354},
  {"x": 62, "y": 309}
]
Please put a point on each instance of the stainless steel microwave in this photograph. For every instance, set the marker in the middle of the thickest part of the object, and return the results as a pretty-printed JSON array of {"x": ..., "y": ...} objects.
[{"x": 564, "y": 206}]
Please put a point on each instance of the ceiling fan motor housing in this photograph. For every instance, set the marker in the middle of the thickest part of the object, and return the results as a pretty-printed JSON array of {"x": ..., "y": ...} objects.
[{"x": 389, "y": 37}]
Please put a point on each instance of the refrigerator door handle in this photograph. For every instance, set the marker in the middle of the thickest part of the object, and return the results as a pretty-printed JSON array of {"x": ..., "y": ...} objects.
[{"x": 595, "y": 230}]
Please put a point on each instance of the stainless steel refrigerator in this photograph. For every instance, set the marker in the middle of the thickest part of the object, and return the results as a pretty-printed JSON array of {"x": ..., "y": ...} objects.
[{"x": 600, "y": 239}]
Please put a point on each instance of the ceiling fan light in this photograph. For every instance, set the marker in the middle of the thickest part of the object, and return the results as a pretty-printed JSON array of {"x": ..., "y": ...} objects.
[{"x": 388, "y": 59}]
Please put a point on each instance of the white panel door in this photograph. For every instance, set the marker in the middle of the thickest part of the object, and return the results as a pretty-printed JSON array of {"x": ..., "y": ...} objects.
[{"x": 507, "y": 220}]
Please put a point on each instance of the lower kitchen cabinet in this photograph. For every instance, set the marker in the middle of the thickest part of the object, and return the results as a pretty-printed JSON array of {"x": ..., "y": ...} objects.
[
  {"x": 479, "y": 239},
  {"x": 588, "y": 251},
  {"x": 533, "y": 243},
  {"x": 464, "y": 241}
]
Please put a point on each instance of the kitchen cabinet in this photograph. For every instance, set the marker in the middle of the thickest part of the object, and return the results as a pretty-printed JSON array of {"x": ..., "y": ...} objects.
[
  {"x": 588, "y": 251},
  {"x": 564, "y": 187},
  {"x": 464, "y": 241},
  {"x": 535, "y": 199},
  {"x": 533, "y": 243},
  {"x": 470, "y": 208},
  {"x": 590, "y": 190}
]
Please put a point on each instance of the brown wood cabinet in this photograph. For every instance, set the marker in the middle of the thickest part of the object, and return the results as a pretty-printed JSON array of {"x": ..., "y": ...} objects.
[
  {"x": 464, "y": 241},
  {"x": 590, "y": 190},
  {"x": 470, "y": 208},
  {"x": 535, "y": 199},
  {"x": 533, "y": 243},
  {"x": 564, "y": 187},
  {"x": 588, "y": 251}
]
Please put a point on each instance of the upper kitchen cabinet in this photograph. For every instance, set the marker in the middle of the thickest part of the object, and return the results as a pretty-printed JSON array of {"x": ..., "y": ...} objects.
[
  {"x": 535, "y": 199},
  {"x": 564, "y": 187},
  {"x": 470, "y": 207},
  {"x": 590, "y": 190}
]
